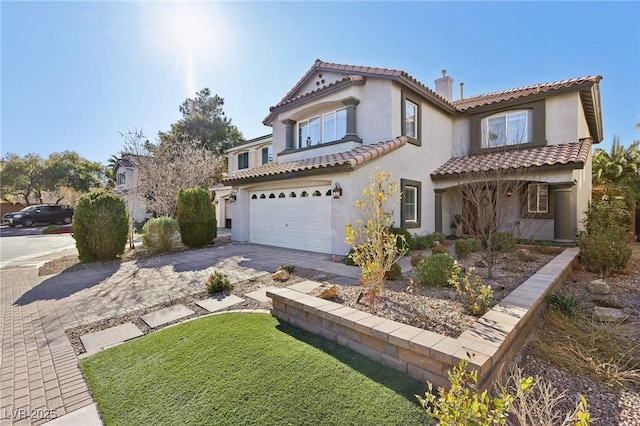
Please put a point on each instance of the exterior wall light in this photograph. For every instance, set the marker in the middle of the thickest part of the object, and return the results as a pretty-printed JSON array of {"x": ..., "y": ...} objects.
[
  {"x": 337, "y": 191},
  {"x": 232, "y": 197}
]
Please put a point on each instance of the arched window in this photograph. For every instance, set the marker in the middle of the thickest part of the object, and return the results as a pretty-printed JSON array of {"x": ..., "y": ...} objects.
[
  {"x": 254, "y": 197},
  {"x": 316, "y": 193},
  {"x": 272, "y": 195},
  {"x": 328, "y": 193},
  {"x": 292, "y": 195},
  {"x": 304, "y": 194},
  {"x": 262, "y": 196},
  {"x": 281, "y": 195}
]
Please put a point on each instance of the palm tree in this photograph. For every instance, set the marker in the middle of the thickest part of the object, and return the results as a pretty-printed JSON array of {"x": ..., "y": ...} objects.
[{"x": 619, "y": 168}]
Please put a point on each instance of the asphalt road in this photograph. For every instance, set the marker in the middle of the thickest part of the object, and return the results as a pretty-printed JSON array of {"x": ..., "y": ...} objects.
[{"x": 23, "y": 247}]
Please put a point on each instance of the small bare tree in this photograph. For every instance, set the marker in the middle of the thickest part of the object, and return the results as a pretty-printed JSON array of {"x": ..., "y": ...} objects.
[{"x": 493, "y": 197}]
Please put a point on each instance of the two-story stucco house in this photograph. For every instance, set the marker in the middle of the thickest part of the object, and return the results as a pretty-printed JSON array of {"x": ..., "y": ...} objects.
[
  {"x": 127, "y": 171},
  {"x": 341, "y": 123}
]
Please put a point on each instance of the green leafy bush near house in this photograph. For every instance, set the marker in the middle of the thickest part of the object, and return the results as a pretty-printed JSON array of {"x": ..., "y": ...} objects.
[
  {"x": 463, "y": 248},
  {"x": 426, "y": 242},
  {"x": 435, "y": 270},
  {"x": 196, "y": 217},
  {"x": 394, "y": 274},
  {"x": 348, "y": 260},
  {"x": 503, "y": 242},
  {"x": 100, "y": 226},
  {"x": 159, "y": 234},
  {"x": 218, "y": 282},
  {"x": 604, "y": 245}
]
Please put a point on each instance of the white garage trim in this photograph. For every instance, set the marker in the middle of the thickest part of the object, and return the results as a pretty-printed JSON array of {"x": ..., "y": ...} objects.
[{"x": 298, "y": 218}]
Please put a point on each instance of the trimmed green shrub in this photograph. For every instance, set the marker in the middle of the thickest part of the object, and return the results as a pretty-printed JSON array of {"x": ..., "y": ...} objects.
[
  {"x": 425, "y": 242},
  {"x": 159, "y": 234},
  {"x": 196, "y": 217},
  {"x": 435, "y": 270},
  {"x": 393, "y": 274},
  {"x": 407, "y": 243},
  {"x": 218, "y": 282},
  {"x": 100, "y": 226},
  {"x": 463, "y": 248},
  {"x": 604, "y": 247},
  {"x": 440, "y": 248}
]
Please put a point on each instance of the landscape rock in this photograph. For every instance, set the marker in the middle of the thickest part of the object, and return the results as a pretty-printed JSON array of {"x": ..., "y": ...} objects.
[
  {"x": 281, "y": 275},
  {"x": 496, "y": 286},
  {"x": 630, "y": 311},
  {"x": 599, "y": 287},
  {"x": 327, "y": 292},
  {"x": 608, "y": 314},
  {"x": 606, "y": 300}
]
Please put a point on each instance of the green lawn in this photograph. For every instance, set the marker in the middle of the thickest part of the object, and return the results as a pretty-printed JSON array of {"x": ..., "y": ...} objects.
[{"x": 243, "y": 368}]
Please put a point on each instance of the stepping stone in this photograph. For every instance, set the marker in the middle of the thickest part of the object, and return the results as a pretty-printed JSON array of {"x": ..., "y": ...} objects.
[
  {"x": 344, "y": 281},
  {"x": 163, "y": 316},
  {"x": 261, "y": 294},
  {"x": 95, "y": 342},
  {"x": 213, "y": 305},
  {"x": 305, "y": 286}
]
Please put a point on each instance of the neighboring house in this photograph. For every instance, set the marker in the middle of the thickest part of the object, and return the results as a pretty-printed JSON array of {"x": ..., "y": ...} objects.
[
  {"x": 340, "y": 124},
  {"x": 127, "y": 172},
  {"x": 242, "y": 157}
]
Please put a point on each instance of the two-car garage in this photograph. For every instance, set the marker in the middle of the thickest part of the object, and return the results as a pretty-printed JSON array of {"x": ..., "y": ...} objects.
[{"x": 297, "y": 218}]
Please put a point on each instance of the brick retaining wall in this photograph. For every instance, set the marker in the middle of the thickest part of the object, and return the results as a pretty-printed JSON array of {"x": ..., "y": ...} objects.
[{"x": 493, "y": 340}]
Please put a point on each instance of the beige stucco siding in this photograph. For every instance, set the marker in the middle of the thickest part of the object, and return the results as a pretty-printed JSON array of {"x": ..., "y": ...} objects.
[{"x": 562, "y": 117}]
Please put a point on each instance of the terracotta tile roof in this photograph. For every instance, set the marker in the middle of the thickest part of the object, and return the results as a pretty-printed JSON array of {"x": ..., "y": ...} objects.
[
  {"x": 553, "y": 155},
  {"x": 520, "y": 92},
  {"x": 349, "y": 159},
  {"x": 355, "y": 73},
  {"x": 133, "y": 160}
]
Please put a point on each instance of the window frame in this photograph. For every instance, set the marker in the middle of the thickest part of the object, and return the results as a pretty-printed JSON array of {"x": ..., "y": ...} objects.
[
  {"x": 323, "y": 138},
  {"x": 417, "y": 185},
  {"x": 537, "y": 210},
  {"x": 240, "y": 156},
  {"x": 411, "y": 98},
  {"x": 121, "y": 178},
  {"x": 269, "y": 151},
  {"x": 508, "y": 141}
]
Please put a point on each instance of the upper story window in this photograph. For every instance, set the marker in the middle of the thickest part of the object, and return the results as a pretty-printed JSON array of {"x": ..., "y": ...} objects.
[
  {"x": 511, "y": 128},
  {"x": 410, "y": 119},
  {"x": 538, "y": 198},
  {"x": 324, "y": 128},
  {"x": 243, "y": 161},
  {"x": 121, "y": 179},
  {"x": 267, "y": 154}
]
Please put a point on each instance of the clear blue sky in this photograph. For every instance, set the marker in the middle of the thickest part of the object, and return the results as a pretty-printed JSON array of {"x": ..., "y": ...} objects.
[{"x": 75, "y": 74}]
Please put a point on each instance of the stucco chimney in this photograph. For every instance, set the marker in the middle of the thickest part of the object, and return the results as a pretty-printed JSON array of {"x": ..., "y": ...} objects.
[{"x": 444, "y": 86}]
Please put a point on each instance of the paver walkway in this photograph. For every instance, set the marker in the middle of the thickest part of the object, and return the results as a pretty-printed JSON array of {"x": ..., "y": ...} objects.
[{"x": 39, "y": 373}]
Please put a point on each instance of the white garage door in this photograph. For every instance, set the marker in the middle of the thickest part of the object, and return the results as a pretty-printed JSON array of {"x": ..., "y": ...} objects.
[{"x": 298, "y": 218}]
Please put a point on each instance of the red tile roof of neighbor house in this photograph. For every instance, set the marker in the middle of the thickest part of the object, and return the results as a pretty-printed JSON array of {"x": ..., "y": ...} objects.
[
  {"x": 574, "y": 153},
  {"x": 349, "y": 159},
  {"x": 520, "y": 92}
]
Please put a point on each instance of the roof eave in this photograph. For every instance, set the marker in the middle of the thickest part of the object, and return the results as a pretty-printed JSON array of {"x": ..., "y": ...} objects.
[
  {"x": 290, "y": 175},
  {"x": 574, "y": 165}
]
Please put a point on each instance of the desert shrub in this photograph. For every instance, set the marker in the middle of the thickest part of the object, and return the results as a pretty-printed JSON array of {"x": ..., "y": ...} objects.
[
  {"x": 348, "y": 260},
  {"x": 503, "y": 242},
  {"x": 604, "y": 246},
  {"x": 440, "y": 248},
  {"x": 100, "y": 226},
  {"x": 525, "y": 255},
  {"x": 395, "y": 273},
  {"x": 463, "y": 403},
  {"x": 288, "y": 268},
  {"x": 160, "y": 233},
  {"x": 196, "y": 217},
  {"x": 416, "y": 258},
  {"x": 435, "y": 270},
  {"x": 565, "y": 303},
  {"x": 422, "y": 242},
  {"x": 405, "y": 239},
  {"x": 475, "y": 294},
  {"x": 218, "y": 282},
  {"x": 439, "y": 237},
  {"x": 463, "y": 248}
]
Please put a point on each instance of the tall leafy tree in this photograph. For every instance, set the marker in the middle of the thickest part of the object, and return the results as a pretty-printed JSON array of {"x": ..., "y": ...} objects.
[
  {"x": 21, "y": 177},
  {"x": 618, "y": 169},
  {"x": 204, "y": 121}
]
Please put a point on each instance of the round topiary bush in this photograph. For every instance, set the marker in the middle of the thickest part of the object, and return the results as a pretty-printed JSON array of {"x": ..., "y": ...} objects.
[
  {"x": 160, "y": 233},
  {"x": 435, "y": 270},
  {"x": 196, "y": 217},
  {"x": 100, "y": 226}
]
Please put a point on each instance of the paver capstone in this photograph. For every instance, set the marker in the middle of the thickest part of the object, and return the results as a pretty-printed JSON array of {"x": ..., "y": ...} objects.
[
  {"x": 95, "y": 342},
  {"x": 213, "y": 305},
  {"x": 166, "y": 315}
]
